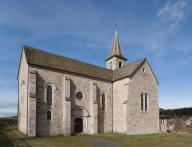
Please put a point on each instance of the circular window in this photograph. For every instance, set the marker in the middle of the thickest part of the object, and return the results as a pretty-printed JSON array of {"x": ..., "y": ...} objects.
[{"x": 79, "y": 95}]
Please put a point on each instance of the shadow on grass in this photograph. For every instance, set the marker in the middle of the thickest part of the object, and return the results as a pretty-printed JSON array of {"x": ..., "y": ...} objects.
[{"x": 4, "y": 140}]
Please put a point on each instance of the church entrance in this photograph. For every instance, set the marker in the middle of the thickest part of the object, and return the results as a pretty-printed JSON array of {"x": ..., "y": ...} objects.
[
  {"x": 79, "y": 120},
  {"x": 78, "y": 125}
]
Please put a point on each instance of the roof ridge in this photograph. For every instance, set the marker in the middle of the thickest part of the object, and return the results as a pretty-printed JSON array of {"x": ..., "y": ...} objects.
[{"x": 54, "y": 54}]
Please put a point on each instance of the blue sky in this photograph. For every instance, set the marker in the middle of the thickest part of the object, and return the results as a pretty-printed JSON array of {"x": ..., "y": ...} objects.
[{"x": 157, "y": 29}]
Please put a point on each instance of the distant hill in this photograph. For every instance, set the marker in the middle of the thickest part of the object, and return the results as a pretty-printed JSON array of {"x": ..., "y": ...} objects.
[{"x": 176, "y": 112}]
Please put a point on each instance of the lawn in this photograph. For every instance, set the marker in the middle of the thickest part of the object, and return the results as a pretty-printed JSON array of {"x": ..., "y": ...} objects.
[
  {"x": 4, "y": 140},
  {"x": 9, "y": 136},
  {"x": 151, "y": 140}
]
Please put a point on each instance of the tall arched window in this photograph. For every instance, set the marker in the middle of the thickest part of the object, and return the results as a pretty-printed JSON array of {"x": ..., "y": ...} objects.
[
  {"x": 49, "y": 95},
  {"x": 142, "y": 96},
  {"x": 48, "y": 115},
  {"x": 103, "y": 102},
  {"x": 146, "y": 101}
]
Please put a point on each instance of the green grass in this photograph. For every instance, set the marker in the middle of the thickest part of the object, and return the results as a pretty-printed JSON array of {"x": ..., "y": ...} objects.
[
  {"x": 19, "y": 139},
  {"x": 58, "y": 141},
  {"x": 9, "y": 136},
  {"x": 4, "y": 139},
  {"x": 152, "y": 140}
]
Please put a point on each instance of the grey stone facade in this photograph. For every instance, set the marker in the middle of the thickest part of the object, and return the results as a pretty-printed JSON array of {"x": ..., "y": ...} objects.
[{"x": 106, "y": 104}]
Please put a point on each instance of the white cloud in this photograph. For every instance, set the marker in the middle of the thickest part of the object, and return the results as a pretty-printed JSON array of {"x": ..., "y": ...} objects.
[
  {"x": 5, "y": 112},
  {"x": 172, "y": 13}
]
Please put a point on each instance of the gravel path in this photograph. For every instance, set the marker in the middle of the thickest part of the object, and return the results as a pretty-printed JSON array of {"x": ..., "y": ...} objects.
[{"x": 98, "y": 142}]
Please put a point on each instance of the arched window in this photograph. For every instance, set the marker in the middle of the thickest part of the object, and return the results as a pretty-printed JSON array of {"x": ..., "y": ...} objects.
[
  {"x": 49, "y": 95},
  {"x": 142, "y": 101},
  {"x": 120, "y": 64},
  {"x": 103, "y": 102},
  {"x": 48, "y": 115},
  {"x": 146, "y": 101},
  {"x": 144, "y": 69}
]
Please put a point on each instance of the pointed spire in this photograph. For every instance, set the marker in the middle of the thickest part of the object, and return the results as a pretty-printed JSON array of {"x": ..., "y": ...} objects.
[{"x": 116, "y": 49}]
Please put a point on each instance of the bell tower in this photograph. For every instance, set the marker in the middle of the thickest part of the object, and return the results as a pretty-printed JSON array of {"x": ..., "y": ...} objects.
[{"x": 115, "y": 59}]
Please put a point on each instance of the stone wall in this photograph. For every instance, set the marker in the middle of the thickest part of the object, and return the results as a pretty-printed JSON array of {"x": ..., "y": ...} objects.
[
  {"x": 22, "y": 94},
  {"x": 180, "y": 124},
  {"x": 32, "y": 100},
  {"x": 55, "y": 126},
  {"x": 163, "y": 124},
  {"x": 143, "y": 122},
  {"x": 120, "y": 101},
  {"x": 59, "y": 109}
]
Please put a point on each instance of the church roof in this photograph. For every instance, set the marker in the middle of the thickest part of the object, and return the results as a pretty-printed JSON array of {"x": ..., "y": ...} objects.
[
  {"x": 116, "y": 49},
  {"x": 127, "y": 70},
  {"x": 44, "y": 59}
]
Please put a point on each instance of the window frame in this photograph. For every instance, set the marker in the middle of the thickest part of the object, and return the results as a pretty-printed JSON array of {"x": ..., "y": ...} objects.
[{"x": 53, "y": 94}]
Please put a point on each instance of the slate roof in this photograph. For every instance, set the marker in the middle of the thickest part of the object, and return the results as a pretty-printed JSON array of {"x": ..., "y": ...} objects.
[
  {"x": 127, "y": 70},
  {"x": 44, "y": 59}
]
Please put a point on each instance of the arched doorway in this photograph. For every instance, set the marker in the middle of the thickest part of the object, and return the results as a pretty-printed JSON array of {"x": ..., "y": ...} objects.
[
  {"x": 78, "y": 125},
  {"x": 79, "y": 120}
]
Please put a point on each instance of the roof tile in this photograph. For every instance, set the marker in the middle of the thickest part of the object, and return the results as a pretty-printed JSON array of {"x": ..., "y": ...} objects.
[{"x": 41, "y": 58}]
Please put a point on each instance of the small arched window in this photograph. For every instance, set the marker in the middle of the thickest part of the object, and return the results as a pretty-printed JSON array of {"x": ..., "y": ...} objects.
[
  {"x": 103, "y": 102},
  {"x": 48, "y": 115},
  {"x": 49, "y": 95},
  {"x": 120, "y": 64},
  {"x": 144, "y": 69}
]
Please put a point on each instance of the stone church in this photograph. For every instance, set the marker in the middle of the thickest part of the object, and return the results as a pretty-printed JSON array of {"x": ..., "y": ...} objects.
[{"x": 62, "y": 96}]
